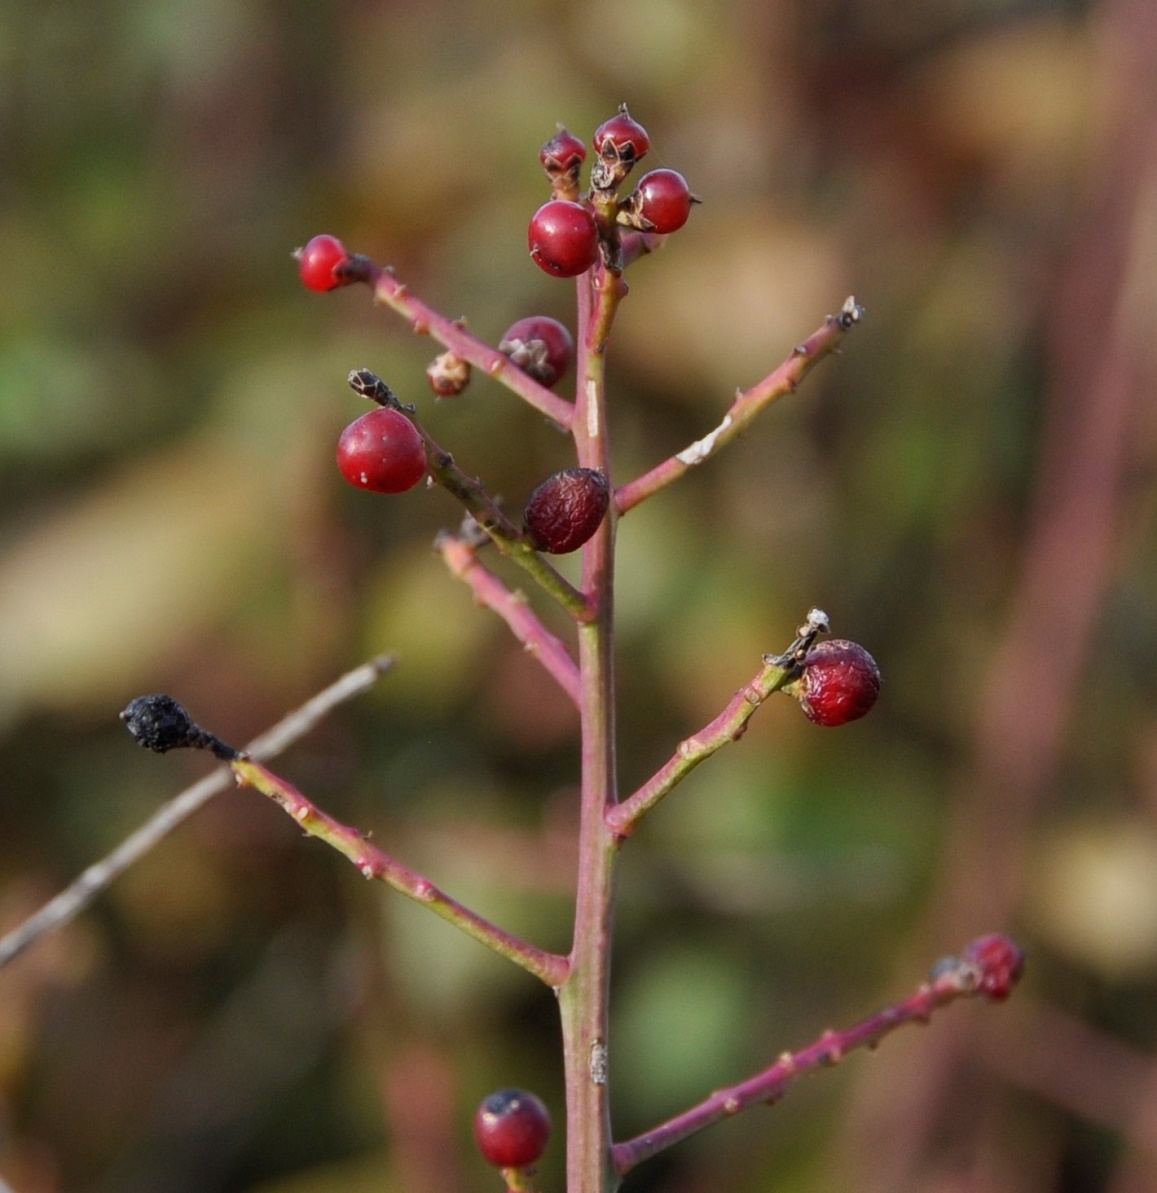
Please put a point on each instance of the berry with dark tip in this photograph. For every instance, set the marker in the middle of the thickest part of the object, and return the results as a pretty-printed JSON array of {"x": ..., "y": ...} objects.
[
  {"x": 562, "y": 158},
  {"x": 540, "y": 346},
  {"x": 839, "y": 683},
  {"x": 566, "y": 509},
  {"x": 563, "y": 238},
  {"x": 998, "y": 963},
  {"x": 512, "y": 1128},
  {"x": 621, "y": 139},
  {"x": 318, "y": 263},
  {"x": 382, "y": 451},
  {"x": 662, "y": 201}
]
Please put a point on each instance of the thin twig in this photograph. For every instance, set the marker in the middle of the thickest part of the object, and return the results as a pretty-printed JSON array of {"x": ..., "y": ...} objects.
[{"x": 65, "y": 906}]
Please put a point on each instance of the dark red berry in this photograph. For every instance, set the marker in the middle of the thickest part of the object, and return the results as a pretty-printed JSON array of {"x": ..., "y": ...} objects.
[
  {"x": 566, "y": 509},
  {"x": 621, "y": 138},
  {"x": 318, "y": 261},
  {"x": 998, "y": 963},
  {"x": 512, "y": 1128},
  {"x": 382, "y": 451},
  {"x": 448, "y": 375},
  {"x": 840, "y": 682},
  {"x": 563, "y": 238},
  {"x": 540, "y": 346},
  {"x": 663, "y": 200},
  {"x": 564, "y": 153}
]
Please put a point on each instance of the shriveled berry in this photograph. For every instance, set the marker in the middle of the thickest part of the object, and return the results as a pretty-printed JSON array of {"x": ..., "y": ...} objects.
[
  {"x": 621, "y": 138},
  {"x": 563, "y": 238},
  {"x": 448, "y": 375},
  {"x": 998, "y": 963},
  {"x": 159, "y": 723},
  {"x": 564, "y": 153},
  {"x": 382, "y": 451},
  {"x": 540, "y": 346},
  {"x": 318, "y": 262},
  {"x": 566, "y": 509},
  {"x": 512, "y": 1128},
  {"x": 840, "y": 682},
  {"x": 663, "y": 201}
]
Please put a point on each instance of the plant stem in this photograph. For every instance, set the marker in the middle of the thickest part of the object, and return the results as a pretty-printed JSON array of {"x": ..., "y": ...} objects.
[
  {"x": 584, "y": 996},
  {"x": 373, "y": 863}
]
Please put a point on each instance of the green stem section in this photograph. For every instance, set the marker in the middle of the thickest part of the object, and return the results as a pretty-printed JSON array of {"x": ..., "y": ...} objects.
[
  {"x": 373, "y": 863},
  {"x": 584, "y": 996}
]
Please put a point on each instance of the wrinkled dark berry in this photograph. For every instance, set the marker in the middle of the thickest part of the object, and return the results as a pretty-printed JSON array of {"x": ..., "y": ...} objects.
[
  {"x": 159, "y": 723},
  {"x": 566, "y": 509},
  {"x": 840, "y": 682}
]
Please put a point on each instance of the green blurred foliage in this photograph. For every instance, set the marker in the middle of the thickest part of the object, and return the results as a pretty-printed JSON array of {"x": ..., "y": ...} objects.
[{"x": 240, "y": 1012}]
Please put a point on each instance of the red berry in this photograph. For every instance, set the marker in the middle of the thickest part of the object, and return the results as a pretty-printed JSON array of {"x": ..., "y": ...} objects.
[
  {"x": 999, "y": 964},
  {"x": 621, "y": 138},
  {"x": 566, "y": 509},
  {"x": 318, "y": 261},
  {"x": 540, "y": 346},
  {"x": 382, "y": 451},
  {"x": 840, "y": 682},
  {"x": 512, "y": 1128},
  {"x": 664, "y": 200},
  {"x": 563, "y": 238},
  {"x": 564, "y": 153}
]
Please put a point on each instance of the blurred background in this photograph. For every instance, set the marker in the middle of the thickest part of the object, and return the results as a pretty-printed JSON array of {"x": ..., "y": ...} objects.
[{"x": 966, "y": 490}]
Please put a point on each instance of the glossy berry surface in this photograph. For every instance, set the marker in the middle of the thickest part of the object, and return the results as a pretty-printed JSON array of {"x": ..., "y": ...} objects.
[
  {"x": 382, "y": 451},
  {"x": 318, "y": 260},
  {"x": 999, "y": 964},
  {"x": 564, "y": 153},
  {"x": 566, "y": 509},
  {"x": 622, "y": 138},
  {"x": 512, "y": 1128},
  {"x": 664, "y": 200},
  {"x": 840, "y": 682},
  {"x": 563, "y": 238},
  {"x": 541, "y": 347}
]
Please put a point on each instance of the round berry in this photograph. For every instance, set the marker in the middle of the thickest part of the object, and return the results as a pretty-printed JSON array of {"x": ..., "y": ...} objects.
[
  {"x": 664, "y": 200},
  {"x": 318, "y": 261},
  {"x": 563, "y": 238},
  {"x": 540, "y": 346},
  {"x": 998, "y": 963},
  {"x": 382, "y": 451},
  {"x": 512, "y": 1128},
  {"x": 448, "y": 375},
  {"x": 840, "y": 682},
  {"x": 564, "y": 153},
  {"x": 621, "y": 138},
  {"x": 566, "y": 509}
]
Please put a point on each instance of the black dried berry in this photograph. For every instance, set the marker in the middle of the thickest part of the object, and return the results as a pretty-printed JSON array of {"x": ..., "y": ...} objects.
[
  {"x": 159, "y": 723},
  {"x": 566, "y": 509}
]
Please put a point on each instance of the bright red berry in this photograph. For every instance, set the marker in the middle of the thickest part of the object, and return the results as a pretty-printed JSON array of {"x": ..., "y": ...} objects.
[
  {"x": 621, "y": 138},
  {"x": 512, "y": 1128},
  {"x": 564, "y": 153},
  {"x": 840, "y": 682},
  {"x": 563, "y": 238},
  {"x": 318, "y": 261},
  {"x": 540, "y": 346},
  {"x": 999, "y": 964},
  {"x": 566, "y": 509},
  {"x": 663, "y": 200},
  {"x": 382, "y": 451}
]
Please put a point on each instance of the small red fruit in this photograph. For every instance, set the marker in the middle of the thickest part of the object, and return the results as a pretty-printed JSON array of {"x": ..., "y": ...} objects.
[
  {"x": 564, "y": 153},
  {"x": 663, "y": 200},
  {"x": 999, "y": 964},
  {"x": 512, "y": 1128},
  {"x": 621, "y": 138},
  {"x": 382, "y": 451},
  {"x": 540, "y": 346},
  {"x": 318, "y": 261},
  {"x": 840, "y": 682},
  {"x": 563, "y": 238},
  {"x": 566, "y": 509}
]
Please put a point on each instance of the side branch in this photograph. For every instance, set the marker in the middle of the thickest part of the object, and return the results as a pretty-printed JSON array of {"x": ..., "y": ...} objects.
[
  {"x": 374, "y": 863},
  {"x": 729, "y": 726},
  {"x": 64, "y": 907},
  {"x": 388, "y": 291},
  {"x": 462, "y": 559},
  {"x": 747, "y": 404},
  {"x": 990, "y": 967}
]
